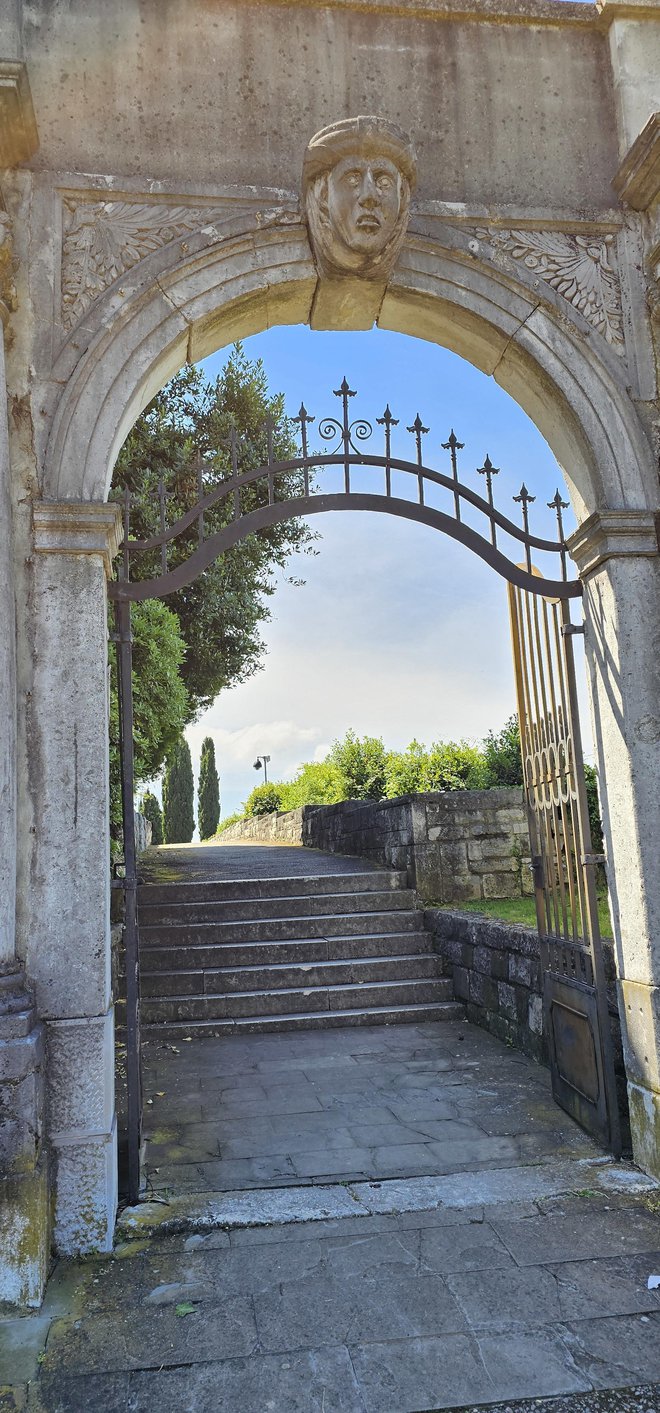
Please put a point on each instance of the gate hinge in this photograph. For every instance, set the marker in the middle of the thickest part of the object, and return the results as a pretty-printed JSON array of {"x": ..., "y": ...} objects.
[
  {"x": 593, "y": 859},
  {"x": 570, "y": 630},
  {"x": 536, "y": 865}
]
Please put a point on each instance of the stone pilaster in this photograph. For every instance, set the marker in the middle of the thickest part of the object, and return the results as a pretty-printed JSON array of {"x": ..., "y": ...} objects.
[
  {"x": 617, "y": 554},
  {"x": 67, "y": 931}
]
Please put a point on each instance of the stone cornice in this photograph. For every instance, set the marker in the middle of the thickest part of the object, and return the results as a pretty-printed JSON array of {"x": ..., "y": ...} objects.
[
  {"x": 18, "y": 128},
  {"x": 78, "y": 527},
  {"x": 556, "y": 13},
  {"x": 610, "y": 534},
  {"x": 638, "y": 179},
  {"x": 628, "y": 10}
]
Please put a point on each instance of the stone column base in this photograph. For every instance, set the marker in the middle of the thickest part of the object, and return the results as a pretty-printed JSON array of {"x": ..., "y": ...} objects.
[{"x": 24, "y": 1190}]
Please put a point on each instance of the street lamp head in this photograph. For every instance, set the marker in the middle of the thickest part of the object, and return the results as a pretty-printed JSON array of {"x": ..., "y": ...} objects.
[{"x": 257, "y": 763}]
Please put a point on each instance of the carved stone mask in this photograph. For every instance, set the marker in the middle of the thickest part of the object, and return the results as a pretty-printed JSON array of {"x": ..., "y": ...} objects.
[{"x": 357, "y": 179}]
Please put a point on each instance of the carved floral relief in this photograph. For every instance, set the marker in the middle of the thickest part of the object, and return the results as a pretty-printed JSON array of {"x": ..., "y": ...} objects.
[
  {"x": 104, "y": 239},
  {"x": 582, "y": 268},
  {"x": 7, "y": 266}
]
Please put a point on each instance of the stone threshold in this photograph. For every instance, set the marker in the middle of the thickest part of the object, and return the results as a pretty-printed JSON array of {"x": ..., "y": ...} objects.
[
  {"x": 273, "y": 1206},
  {"x": 645, "y": 1398}
]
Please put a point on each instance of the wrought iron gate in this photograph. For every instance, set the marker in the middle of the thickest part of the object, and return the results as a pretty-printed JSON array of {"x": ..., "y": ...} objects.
[
  {"x": 232, "y": 503},
  {"x": 576, "y": 1016}
]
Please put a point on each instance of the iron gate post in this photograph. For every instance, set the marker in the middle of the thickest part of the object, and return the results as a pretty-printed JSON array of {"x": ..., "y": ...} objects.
[{"x": 124, "y": 644}]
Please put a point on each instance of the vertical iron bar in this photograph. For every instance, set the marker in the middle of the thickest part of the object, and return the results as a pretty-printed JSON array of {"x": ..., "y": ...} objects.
[
  {"x": 131, "y": 941},
  {"x": 234, "y": 471},
  {"x": 200, "y": 496},
  {"x": 161, "y": 504},
  {"x": 388, "y": 421},
  {"x": 271, "y": 476},
  {"x": 452, "y": 446},
  {"x": 587, "y": 865},
  {"x": 488, "y": 470},
  {"x": 126, "y": 561},
  {"x": 522, "y": 698}
]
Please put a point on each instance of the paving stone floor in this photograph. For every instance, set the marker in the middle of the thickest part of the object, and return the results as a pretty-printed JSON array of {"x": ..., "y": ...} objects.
[
  {"x": 419, "y": 1304},
  {"x": 316, "y": 1106}
]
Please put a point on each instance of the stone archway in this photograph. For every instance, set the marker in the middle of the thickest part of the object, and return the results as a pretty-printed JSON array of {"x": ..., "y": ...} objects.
[
  {"x": 155, "y": 224},
  {"x": 560, "y": 372}
]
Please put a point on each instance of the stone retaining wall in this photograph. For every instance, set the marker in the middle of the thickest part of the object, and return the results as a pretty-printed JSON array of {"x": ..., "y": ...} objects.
[
  {"x": 276, "y": 828},
  {"x": 454, "y": 844},
  {"x": 496, "y": 971}
]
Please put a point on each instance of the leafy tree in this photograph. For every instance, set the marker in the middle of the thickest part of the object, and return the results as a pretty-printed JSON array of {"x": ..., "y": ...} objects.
[
  {"x": 361, "y": 764},
  {"x": 454, "y": 765},
  {"x": 593, "y": 806},
  {"x": 184, "y": 436},
  {"x": 178, "y": 795},
  {"x": 264, "y": 799},
  {"x": 151, "y": 810},
  {"x": 208, "y": 798},
  {"x": 405, "y": 770},
  {"x": 316, "y": 783},
  {"x": 160, "y": 699},
  {"x": 502, "y": 757}
]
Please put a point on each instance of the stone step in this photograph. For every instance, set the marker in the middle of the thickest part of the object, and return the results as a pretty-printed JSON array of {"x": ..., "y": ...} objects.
[
  {"x": 287, "y": 974},
  {"x": 269, "y": 929},
  {"x": 308, "y": 1020},
  {"x": 201, "y": 957},
  {"x": 219, "y": 890},
  {"x": 287, "y": 906},
  {"x": 295, "y": 999}
]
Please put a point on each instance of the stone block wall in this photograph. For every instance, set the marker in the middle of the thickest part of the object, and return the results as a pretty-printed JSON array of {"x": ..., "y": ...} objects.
[
  {"x": 456, "y": 845},
  {"x": 496, "y": 971},
  {"x": 275, "y": 828}
]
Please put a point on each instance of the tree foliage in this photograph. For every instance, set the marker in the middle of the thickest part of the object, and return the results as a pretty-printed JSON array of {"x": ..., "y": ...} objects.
[
  {"x": 151, "y": 810},
  {"x": 361, "y": 763},
  {"x": 208, "y": 796},
  {"x": 264, "y": 799},
  {"x": 160, "y": 700},
  {"x": 184, "y": 436},
  {"x": 315, "y": 783},
  {"x": 178, "y": 795},
  {"x": 502, "y": 756}
]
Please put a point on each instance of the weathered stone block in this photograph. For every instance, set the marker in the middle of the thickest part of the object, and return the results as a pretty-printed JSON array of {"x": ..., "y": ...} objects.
[
  {"x": 521, "y": 970},
  {"x": 500, "y": 885},
  {"x": 24, "y": 1237},
  {"x": 86, "y": 1194},
  {"x": 535, "y": 1015},
  {"x": 483, "y": 991},
  {"x": 18, "y": 1057},
  {"x": 461, "y": 983},
  {"x": 507, "y": 1000},
  {"x": 640, "y": 1012},
  {"x": 482, "y": 960},
  {"x": 81, "y": 1075}
]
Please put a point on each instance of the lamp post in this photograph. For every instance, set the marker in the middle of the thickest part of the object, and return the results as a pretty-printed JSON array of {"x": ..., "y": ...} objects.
[{"x": 262, "y": 760}]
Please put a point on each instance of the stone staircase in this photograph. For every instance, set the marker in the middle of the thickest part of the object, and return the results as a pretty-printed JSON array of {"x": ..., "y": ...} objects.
[{"x": 271, "y": 954}]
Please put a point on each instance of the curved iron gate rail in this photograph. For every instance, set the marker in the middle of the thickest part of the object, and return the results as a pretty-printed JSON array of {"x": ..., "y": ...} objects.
[{"x": 276, "y": 504}]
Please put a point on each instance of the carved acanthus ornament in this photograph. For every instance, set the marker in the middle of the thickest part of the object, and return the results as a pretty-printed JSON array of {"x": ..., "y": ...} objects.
[
  {"x": 582, "y": 268},
  {"x": 102, "y": 240},
  {"x": 7, "y": 268}
]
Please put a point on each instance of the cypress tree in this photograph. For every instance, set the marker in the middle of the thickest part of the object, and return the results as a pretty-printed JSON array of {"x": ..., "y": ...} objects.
[
  {"x": 151, "y": 810},
  {"x": 178, "y": 795},
  {"x": 208, "y": 798}
]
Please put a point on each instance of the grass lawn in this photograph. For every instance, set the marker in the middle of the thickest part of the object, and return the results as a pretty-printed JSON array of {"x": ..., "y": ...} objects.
[{"x": 522, "y": 910}]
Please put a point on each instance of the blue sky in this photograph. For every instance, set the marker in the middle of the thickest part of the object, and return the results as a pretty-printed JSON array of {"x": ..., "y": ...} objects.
[{"x": 398, "y": 631}]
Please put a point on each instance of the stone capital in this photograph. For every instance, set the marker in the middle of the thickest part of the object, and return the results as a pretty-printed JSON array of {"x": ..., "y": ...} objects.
[
  {"x": 638, "y": 179},
  {"x": 610, "y": 534},
  {"x": 18, "y": 128},
  {"x": 78, "y": 527},
  {"x": 628, "y": 9}
]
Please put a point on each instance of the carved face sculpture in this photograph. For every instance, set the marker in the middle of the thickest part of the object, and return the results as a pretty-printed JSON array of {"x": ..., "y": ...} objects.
[{"x": 357, "y": 180}]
